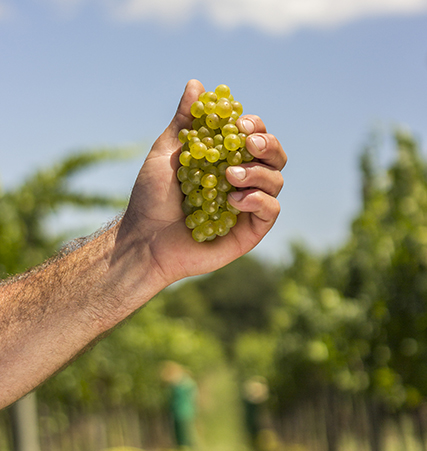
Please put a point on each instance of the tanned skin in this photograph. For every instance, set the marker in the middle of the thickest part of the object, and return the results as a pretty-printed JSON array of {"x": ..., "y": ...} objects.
[{"x": 53, "y": 313}]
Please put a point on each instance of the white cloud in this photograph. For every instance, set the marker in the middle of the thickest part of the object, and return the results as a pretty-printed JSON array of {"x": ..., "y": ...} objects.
[
  {"x": 286, "y": 15},
  {"x": 273, "y": 16}
]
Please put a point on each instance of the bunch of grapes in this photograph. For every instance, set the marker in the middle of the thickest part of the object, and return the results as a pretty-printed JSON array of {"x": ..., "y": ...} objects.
[{"x": 213, "y": 143}]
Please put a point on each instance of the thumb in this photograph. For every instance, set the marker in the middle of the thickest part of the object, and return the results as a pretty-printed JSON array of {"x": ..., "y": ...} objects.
[{"x": 183, "y": 117}]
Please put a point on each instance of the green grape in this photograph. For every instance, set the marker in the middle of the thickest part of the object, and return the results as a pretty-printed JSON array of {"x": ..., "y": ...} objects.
[
  {"x": 218, "y": 139},
  {"x": 208, "y": 96},
  {"x": 242, "y": 137},
  {"x": 209, "y": 193},
  {"x": 189, "y": 222},
  {"x": 222, "y": 91},
  {"x": 198, "y": 234},
  {"x": 229, "y": 218},
  {"x": 229, "y": 129},
  {"x": 223, "y": 152},
  {"x": 182, "y": 173},
  {"x": 234, "y": 158},
  {"x": 195, "y": 175},
  {"x": 212, "y": 155},
  {"x": 204, "y": 132},
  {"x": 221, "y": 197},
  {"x": 208, "y": 228},
  {"x": 246, "y": 155},
  {"x": 187, "y": 208},
  {"x": 210, "y": 107},
  {"x": 208, "y": 141},
  {"x": 194, "y": 163},
  {"x": 217, "y": 215},
  {"x": 198, "y": 150},
  {"x": 223, "y": 184},
  {"x": 223, "y": 108},
  {"x": 213, "y": 121},
  {"x": 187, "y": 187},
  {"x": 200, "y": 216},
  {"x": 198, "y": 109},
  {"x": 222, "y": 167},
  {"x": 182, "y": 135},
  {"x": 231, "y": 142},
  {"x": 209, "y": 181},
  {"x": 221, "y": 227},
  {"x": 211, "y": 169},
  {"x": 195, "y": 198},
  {"x": 192, "y": 134},
  {"x": 210, "y": 206},
  {"x": 237, "y": 107},
  {"x": 185, "y": 158}
]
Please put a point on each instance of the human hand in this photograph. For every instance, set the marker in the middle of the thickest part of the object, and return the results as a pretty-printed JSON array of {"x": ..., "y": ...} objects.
[{"x": 154, "y": 216}]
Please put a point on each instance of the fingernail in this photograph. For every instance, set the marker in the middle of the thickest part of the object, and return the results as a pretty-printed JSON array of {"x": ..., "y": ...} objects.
[
  {"x": 238, "y": 172},
  {"x": 259, "y": 142},
  {"x": 249, "y": 126},
  {"x": 236, "y": 195}
]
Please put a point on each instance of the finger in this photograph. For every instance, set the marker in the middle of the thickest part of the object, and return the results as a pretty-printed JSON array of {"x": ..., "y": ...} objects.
[
  {"x": 256, "y": 175},
  {"x": 251, "y": 123},
  {"x": 267, "y": 148},
  {"x": 183, "y": 117},
  {"x": 264, "y": 209}
]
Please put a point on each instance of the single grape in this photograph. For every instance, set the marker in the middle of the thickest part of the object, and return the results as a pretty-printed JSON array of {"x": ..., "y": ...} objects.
[
  {"x": 209, "y": 193},
  {"x": 198, "y": 109},
  {"x": 200, "y": 216},
  {"x": 208, "y": 228},
  {"x": 223, "y": 184},
  {"x": 246, "y": 155},
  {"x": 229, "y": 218},
  {"x": 210, "y": 107},
  {"x": 189, "y": 222},
  {"x": 182, "y": 135},
  {"x": 212, "y": 155},
  {"x": 195, "y": 198},
  {"x": 234, "y": 158},
  {"x": 198, "y": 150},
  {"x": 222, "y": 91},
  {"x": 231, "y": 142},
  {"x": 229, "y": 129},
  {"x": 210, "y": 207},
  {"x": 198, "y": 234},
  {"x": 213, "y": 121},
  {"x": 237, "y": 107},
  {"x": 209, "y": 181},
  {"x": 195, "y": 175},
  {"x": 223, "y": 108},
  {"x": 187, "y": 187},
  {"x": 185, "y": 158},
  {"x": 182, "y": 173}
]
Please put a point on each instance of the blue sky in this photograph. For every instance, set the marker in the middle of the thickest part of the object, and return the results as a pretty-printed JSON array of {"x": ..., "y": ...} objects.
[{"x": 321, "y": 73}]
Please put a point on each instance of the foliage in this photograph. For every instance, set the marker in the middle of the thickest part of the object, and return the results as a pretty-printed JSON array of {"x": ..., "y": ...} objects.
[
  {"x": 125, "y": 368},
  {"x": 24, "y": 210},
  {"x": 356, "y": 318}
]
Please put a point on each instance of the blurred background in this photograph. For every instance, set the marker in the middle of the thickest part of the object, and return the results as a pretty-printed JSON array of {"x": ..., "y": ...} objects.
[{"x": 317, "y": 340}]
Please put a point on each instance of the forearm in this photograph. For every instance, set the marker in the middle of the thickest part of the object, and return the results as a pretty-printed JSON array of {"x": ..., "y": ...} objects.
[{"x": 50, "y": 315}]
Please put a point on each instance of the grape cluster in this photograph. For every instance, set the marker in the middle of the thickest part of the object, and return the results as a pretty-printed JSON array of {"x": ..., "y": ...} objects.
[{"x": 213, "y": 143}]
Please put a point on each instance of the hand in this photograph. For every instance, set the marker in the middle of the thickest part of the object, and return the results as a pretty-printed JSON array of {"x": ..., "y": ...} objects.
[{"x": 154, "y": 215}]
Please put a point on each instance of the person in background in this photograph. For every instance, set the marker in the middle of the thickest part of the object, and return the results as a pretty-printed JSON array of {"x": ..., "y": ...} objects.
[{"x": 183, "y": 403}]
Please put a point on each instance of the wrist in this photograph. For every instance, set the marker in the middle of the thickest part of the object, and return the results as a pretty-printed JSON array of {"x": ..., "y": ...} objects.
[{"x": 132, "y": 277}]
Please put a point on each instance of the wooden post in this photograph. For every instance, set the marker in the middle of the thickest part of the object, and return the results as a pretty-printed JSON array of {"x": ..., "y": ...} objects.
[{"x": 24, "y": 422}]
